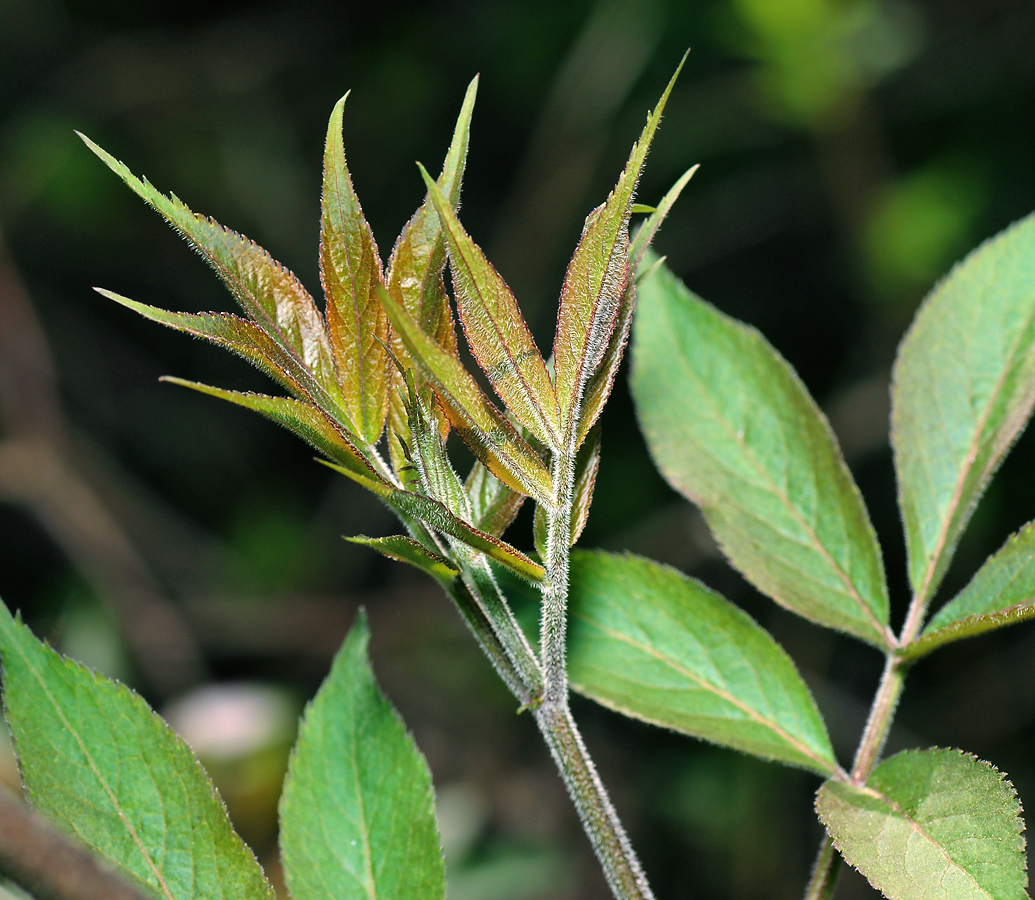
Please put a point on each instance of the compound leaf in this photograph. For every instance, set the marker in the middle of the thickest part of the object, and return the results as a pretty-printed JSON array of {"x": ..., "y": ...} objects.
[
  {"x": 97, "y": 760},
  {"x": 731, "y": 426},
  {"x": 1001, "y": 593},
  {"x": 653, "y": 644},
  {"x": 357, "y": 817},
  {"x": 963, "y": 387},
  {"x": 350, "y": 269},
  {"x": 270, "y": 295},
  {"x": 931, "y": 825},
  {"x": 595, "y": 284}
]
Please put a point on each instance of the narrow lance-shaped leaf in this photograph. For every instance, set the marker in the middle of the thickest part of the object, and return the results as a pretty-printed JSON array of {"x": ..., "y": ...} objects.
[
  {"x": 587, "y": 464},
  {"x": 407, "y": 550},
  {"x": 415, "y": 272},
  {"x": 305, "y": 420},
  {"x": 268, "y": 293},
  {"x": 484, "y": 429},
  {"x": 97, "y": 760},
  {"x": 595, "y": 283},
  {"x": 350, "y": 269},
  {"x": 494, "y": 506},
  {"x": 963, "y": 387},
  {"x": 1001, "y": 593},
  {"x": 653, "y": 644},
  {"x": 495, "y": 329},
  {"x": 931, "y": 824},
  {"x": 732, "y": 428},
  {"x": 642, "y": 241},
  {"x": 357, "y": 816}
]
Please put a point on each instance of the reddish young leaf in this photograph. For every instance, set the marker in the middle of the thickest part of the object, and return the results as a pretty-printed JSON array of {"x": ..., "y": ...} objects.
[
  {"x": 350, "y": 269},
  {"x": 496, "y": 330},
  {"x": 305, "y": 420},
  {"x": 268, "y": 293},
  {"x": 492, "y": 439},
  {"x": 415, "y": 279},
  {"x": 595, "y": 284}
]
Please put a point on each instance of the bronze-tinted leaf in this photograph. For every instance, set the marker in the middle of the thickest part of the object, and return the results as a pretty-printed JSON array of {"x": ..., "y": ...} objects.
[
  {"x": 350, "y": 269},
  {"x": 407, "y": 550},
  {"x": 495, "y": 329}
]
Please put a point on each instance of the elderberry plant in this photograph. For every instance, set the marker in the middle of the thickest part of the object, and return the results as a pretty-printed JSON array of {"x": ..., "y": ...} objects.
[{"x": 375, "y": 384}]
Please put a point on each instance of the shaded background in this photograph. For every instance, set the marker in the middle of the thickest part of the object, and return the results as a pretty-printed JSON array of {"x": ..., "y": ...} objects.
[{"x": 850, "y": 152}]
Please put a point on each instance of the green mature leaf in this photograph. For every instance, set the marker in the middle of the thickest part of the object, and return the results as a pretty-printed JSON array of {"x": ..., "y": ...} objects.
[
  {"x": 441, "y": 519},
  {"x": 409, "y": 551},
  {"x": 931, "y": 824},
  {"x": 731, "y": 426},
  {"x": 97, "y": 760},
  {"x": 645, "y": 234},
  {"x": 350, "y": 269},
  {"x": 595, "y": 284},
  {"x": 494, "y": 506},
  {"x": 963, "y": 388},
  {"x": 305, "y": 420},
  {"x": 415, "y": 277},
  {"x": 1000, "y": 594},
  {"x": 653, "y": 644},
  {"x": 268, "y": 293},
  {"x": 357, "y": 816},
  {"x": 491, "y": 437},
  {"x": 495, "y": 329}
]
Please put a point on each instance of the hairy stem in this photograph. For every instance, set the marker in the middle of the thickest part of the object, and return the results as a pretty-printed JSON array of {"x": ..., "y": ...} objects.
[
  {"x": 824, "y": 872},
  {"x": 553, "y": 628}
]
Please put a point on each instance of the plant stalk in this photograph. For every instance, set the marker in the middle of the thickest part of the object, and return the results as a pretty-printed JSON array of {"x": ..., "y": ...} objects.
[{"x": 824, "y": 872}]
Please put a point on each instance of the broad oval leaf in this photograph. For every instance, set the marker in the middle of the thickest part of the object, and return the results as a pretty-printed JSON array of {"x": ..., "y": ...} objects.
[
  {"x": 357, "y": 817},
  {"x": 731, "y": 427},
  {"x": 931, "y": 825},
  {"x": 97, "y": 760},
  {"x": 269, "y": 294},
  {"x": 1001, "y": 593},
  {"x": 653, "y": 644},
  {"x": 963, "y": 387},
  {"x": 350, "y": 269}
]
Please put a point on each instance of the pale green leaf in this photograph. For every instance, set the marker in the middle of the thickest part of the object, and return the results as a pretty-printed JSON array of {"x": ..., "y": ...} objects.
[
  {"x": 357, "y": 817},
  {"x": 95, "y": 759},
  {"x": 931, "y": 825},
  {"x": 653, "y": 644},
  {"x": 645, "y": 235},
  {"x": 731, "y": 426},
  {"x": 963, "y": 388},
  {"x": 587, "y": 464},
  {"x": 1001, "y": 593},
  {"x": 595, "y": 284},
  {"x": 269, "y": 294},
  {"x": 407, "y": 550},
  {"x": 496, "y": 331},
  {"x": 494, "y": 506},
  {"x": 350, "y": 269}
]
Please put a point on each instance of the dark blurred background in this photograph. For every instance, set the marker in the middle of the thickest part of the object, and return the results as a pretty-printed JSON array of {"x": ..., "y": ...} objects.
[{"x": 850, "y": 151}]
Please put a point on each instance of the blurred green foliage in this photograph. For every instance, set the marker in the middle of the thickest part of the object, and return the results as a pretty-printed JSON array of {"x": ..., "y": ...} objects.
[{"x": 850, "y": 151}]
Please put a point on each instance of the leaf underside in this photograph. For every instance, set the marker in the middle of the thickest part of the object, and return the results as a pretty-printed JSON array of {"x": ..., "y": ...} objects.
[
  {"x": 653, "y": 644},
  {"x": 963, "y": 387},
  {"x": 931, "y": 825},
  {"x": 357, "y": 817},
  {"x": 95, "y": 759},
  {"x": 731, "y": 427}
]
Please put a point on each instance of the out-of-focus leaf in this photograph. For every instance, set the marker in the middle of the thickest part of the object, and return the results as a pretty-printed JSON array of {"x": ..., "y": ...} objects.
[
  {"x": 350, "y": 269},
  {"x": 587, "y": 464},
  {"x": 494, "y": 506},
  {"x": 357, "y": 817},
  {"x": 484, "y": 429},
  {"x": 645, "y": 235},
  {"x": 653, "y": 644},
  {"x": 415, "y": 275},
  {"x": 96, "y": 759},
  {"x": 305, "y": 420},
  {"x": 1000, "y": 594},
  {"x": 441, "y": 519},
  {"x": 495, "y": 329},
  {"x": 931, "y": 824},
  {"x": 409, "y": 551},
  {"x": 963, "y": 387},
  {"x": 595, "y": 285},
  {"x": 731, "y": 427},
  {"x": 268, "y": 293}
]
